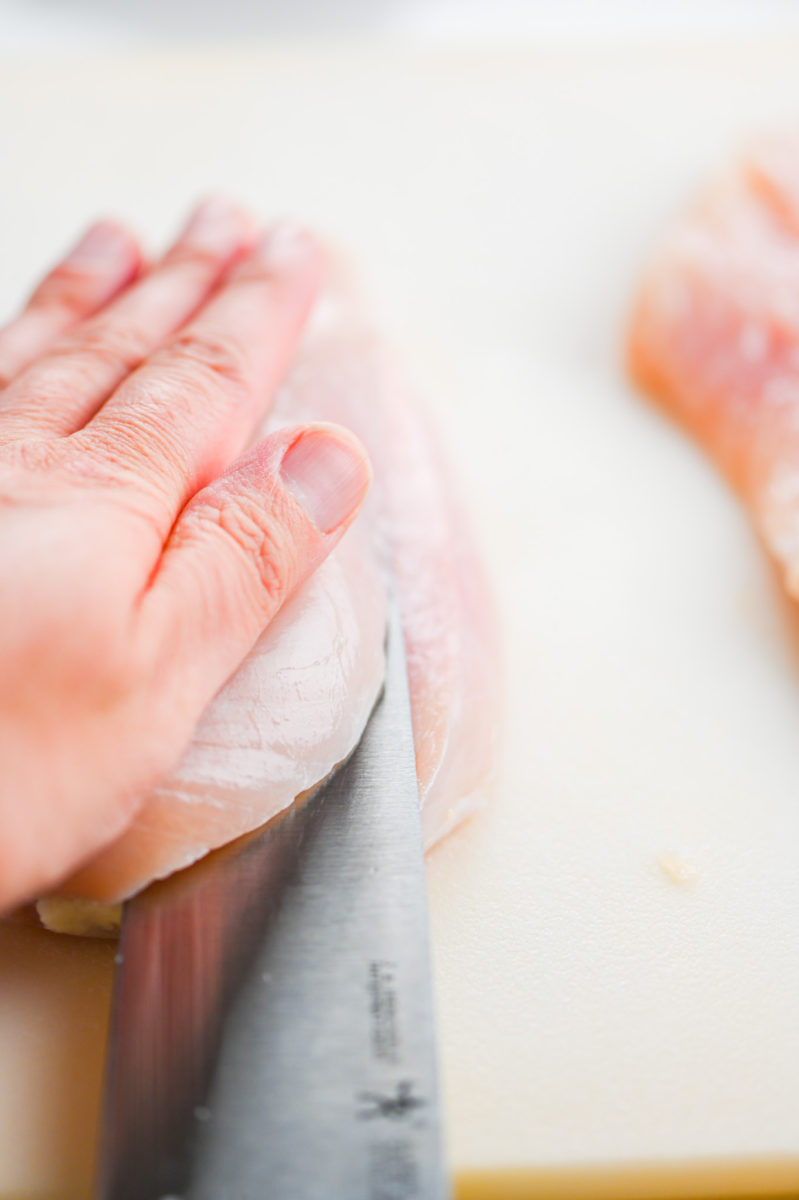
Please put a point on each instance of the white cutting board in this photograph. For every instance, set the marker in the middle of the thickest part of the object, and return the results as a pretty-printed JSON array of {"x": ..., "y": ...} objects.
[{"x": 617, "y": 937}]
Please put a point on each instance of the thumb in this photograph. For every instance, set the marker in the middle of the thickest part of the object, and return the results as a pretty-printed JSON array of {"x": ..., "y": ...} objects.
[{"x": 244, "y": 543}]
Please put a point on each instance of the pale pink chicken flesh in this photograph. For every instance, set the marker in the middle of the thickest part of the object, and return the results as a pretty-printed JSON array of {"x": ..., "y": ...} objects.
[
  {"x": 299, "y": 703},
  {"x": 715, "y": 335}
]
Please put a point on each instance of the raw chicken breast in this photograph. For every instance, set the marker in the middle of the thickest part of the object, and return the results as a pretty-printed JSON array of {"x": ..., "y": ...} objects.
[
  {"x": 715, "y": 335},
  {"x": 299, "y": 703}
]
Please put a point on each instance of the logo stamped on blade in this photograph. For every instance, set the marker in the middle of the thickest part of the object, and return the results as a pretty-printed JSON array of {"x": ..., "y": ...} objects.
[
  {"x": 395, "y": 1106},
  {"x": 383, "y": 1001},
  {"x": 394, "y": 1171}
]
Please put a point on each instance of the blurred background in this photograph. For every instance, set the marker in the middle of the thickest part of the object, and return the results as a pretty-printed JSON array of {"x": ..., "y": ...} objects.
[{"x": 63, "y": 25}]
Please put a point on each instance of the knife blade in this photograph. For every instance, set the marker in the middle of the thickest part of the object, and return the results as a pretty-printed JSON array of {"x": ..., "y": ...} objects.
[{"x": 272, "y": 1028}]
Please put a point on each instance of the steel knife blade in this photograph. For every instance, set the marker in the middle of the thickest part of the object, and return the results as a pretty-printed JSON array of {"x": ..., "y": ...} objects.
[{"x": 272, "y": 1027}]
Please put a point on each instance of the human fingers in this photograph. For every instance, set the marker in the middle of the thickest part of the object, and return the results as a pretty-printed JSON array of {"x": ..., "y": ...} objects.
[
  {"x": 180, "y": 419},
  {"x": 103, "y": 262},
  {"x": 239, "y": 549},
  {"x": 62, "y": 390}
]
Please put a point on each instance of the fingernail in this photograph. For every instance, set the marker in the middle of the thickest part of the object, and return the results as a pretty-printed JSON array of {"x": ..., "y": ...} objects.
[
  {"x": 217, "y": 225},
  {"x": 284, "y": 245},
  {"x": 103, "y": 244},
  {"x": 328, "y": 472}
]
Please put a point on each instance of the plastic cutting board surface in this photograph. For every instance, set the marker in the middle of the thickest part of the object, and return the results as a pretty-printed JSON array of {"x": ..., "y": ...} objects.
[{"x": 617, "y": 936}]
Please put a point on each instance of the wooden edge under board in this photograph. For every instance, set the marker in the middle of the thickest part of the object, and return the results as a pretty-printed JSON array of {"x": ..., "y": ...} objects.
[{"x": 746, "y": 1179}]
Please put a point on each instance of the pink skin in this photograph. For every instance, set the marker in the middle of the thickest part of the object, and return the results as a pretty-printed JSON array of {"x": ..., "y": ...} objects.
[{"x": 141, "y": 557}]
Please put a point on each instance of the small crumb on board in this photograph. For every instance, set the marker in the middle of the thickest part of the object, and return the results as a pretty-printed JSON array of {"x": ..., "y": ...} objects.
[{"x": 676, "y": 869}]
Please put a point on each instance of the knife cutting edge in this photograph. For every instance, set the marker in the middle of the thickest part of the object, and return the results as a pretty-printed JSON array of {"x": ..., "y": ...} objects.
[{"x": 272, "y": 1027}]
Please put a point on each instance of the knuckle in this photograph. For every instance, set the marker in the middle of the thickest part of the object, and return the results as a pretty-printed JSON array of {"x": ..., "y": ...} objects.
[
  {"x": 78, "y": 364},
  {"x": 259, "y": 543},
  {"x": 31, "y": 456},
  {"x": 112, "y": 458},
  {"x": 66, "y": 287},
  {"x": 77, "y": 468},
  {"x": 186, "y": 257},
  {"x": 216, "y": 360},
  {"x": 101, "y": 343}
]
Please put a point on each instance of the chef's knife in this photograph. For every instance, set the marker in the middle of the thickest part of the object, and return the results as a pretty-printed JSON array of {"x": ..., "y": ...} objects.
[{"x": 272, "y": 1032}]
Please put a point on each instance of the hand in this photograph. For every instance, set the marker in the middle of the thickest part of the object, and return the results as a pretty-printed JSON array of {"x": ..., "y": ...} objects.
[{"x": 138, "y": 560}]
